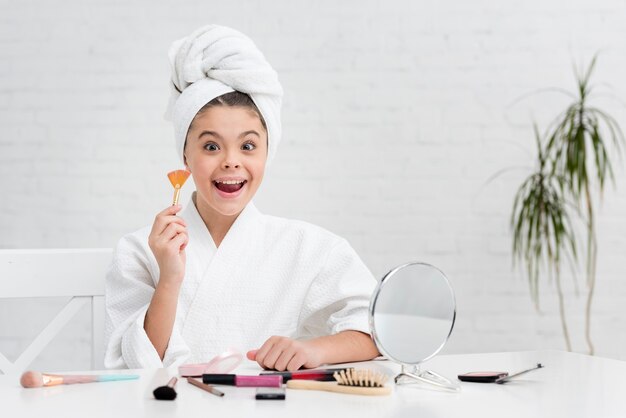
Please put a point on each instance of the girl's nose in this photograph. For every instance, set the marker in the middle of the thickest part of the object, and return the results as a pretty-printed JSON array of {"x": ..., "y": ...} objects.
[{"x": 230, "y": 163}]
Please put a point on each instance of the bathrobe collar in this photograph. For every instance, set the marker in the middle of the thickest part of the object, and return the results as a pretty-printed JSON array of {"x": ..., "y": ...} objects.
[
  {"x": 215, "y": 267},
  {"x": 199, "y": 233}
]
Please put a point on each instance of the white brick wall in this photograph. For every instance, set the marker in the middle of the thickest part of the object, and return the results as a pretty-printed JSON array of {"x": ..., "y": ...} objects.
[{"x": 395, "y": 116}]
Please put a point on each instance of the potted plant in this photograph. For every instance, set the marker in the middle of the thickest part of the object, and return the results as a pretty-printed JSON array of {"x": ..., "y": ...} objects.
[{"x": 573, "y": 160}]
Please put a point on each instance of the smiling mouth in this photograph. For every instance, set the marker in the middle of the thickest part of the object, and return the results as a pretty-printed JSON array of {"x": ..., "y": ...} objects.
[{"x": 230, "y": 186}]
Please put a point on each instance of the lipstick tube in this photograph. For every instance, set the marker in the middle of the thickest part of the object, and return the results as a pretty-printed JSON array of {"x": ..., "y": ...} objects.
[{"x": 243, "y": 381}]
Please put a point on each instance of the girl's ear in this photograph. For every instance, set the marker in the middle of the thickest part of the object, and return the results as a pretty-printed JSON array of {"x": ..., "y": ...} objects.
[{"x": 185, "y": 156}]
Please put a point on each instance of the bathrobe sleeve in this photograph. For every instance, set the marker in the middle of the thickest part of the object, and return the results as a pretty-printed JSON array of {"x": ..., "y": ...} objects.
[
  {"x": 339, "y": 296},
  {"x": 128, "y": 291}
]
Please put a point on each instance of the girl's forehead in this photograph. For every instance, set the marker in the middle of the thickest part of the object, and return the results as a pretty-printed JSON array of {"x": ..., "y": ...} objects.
[
  {"x": 226, "y": 122},
  {"x": 228, "y": 117}
]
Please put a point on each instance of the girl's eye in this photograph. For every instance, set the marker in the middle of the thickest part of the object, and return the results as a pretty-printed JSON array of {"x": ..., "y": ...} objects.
[
  {"x": 211, "y": 147},
  {"x": 248, "y": 146}
]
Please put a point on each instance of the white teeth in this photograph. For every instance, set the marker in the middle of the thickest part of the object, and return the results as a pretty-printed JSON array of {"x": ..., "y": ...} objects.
[{"x": 230, "y": 181}]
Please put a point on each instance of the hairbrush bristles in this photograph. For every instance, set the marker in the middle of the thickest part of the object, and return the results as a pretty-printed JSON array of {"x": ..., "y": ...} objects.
[{"x": 363, "y": 378}]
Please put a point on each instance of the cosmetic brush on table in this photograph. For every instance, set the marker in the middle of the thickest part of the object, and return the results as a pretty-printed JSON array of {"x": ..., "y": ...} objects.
[
  {"x": 167, "y": 392},
  {"x": 31, "y": 379},
  {"x": 505, "y": 379},
  {"x": 205, "y": 387}
]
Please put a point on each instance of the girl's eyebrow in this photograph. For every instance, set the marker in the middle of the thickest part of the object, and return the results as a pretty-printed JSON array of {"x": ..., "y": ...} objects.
[{"x": 218, "y": 136}]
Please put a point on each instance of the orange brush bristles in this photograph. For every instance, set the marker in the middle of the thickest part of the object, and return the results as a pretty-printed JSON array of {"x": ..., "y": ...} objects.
[{"x": 178, "y": 177}]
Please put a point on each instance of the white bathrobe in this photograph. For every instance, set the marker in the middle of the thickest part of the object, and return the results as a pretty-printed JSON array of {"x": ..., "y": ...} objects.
[{"x": 270, "y": 276}]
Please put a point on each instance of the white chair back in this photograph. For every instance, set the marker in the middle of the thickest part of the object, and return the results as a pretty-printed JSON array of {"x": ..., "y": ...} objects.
[{"x": 75, "y": 273}]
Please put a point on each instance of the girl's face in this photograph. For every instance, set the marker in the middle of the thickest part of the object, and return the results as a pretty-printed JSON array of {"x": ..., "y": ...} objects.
[{"x": 226, "y": 152}]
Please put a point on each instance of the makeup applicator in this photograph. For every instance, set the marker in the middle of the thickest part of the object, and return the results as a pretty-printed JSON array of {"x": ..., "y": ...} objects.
[
  {"x": 33, "y": 379},
  {"x": 167, "y": 392},
  {"x": 177, "y": 178}
]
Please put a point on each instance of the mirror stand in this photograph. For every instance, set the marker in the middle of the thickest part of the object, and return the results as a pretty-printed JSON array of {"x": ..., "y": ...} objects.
[{"x": 413, "y": 374}]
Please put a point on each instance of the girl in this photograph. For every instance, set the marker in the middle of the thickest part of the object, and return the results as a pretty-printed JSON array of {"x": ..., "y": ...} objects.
[{"x": 219, "y": 274}]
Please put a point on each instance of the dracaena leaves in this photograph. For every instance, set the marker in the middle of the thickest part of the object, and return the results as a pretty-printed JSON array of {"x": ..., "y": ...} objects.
[{"x": 573, "y": 157}]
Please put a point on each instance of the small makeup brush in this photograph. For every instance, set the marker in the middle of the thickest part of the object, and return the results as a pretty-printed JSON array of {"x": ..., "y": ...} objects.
[
  {"x": 505, "y": 379},
  {"x": 167, "y": 392},
  {"x": 33, "y": 379},
  {"x": 177, "y": 178}
]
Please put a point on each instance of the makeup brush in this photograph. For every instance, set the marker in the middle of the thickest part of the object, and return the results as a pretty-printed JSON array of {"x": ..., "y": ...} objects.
[
  {"x": 177, "y": 178},
  {"x": 33, "y": 379},
  {"x": 167, "y": 392},
  {"x": 350, "y": 381},
  {"x": 205, "y": 387},
  {"x": 505, "y": 379}
]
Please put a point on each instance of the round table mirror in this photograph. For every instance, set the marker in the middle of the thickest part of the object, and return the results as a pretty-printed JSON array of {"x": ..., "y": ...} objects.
[{"x": 412, "y": 314}]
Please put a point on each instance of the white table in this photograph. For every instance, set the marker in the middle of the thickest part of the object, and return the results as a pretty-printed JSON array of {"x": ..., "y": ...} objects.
[{"x": 570, "y": 385}]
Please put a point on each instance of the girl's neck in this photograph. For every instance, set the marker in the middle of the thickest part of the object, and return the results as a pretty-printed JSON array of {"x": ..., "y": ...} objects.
[{"x": 217, "y": 223}]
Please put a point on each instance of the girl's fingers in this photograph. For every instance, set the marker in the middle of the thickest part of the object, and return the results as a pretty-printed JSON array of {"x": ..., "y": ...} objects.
[
  {"x": 295, "y": 363},
  {"x": 262, "y": 352},
  {"x": 283, "y": 360},
  {"x": 165, "y": 217},
  {"x": 180, "y": 241},
  {"x": 163, "y": 222},
  {"x": 171, "y": 231},
  {"x": 272, "y": 356},
  {"x": 171, "y": 210}
]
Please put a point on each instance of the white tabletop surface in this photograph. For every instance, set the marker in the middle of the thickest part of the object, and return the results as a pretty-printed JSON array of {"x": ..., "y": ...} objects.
[{"x": 570, "y": 385}]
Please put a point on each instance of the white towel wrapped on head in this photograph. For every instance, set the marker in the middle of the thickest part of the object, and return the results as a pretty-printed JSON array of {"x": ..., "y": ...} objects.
[{"x": 215, "y": 60}]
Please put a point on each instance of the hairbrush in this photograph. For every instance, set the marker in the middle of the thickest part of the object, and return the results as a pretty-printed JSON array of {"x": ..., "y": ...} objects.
[
  {"x": 350, "y": 381},
  {"x": 33, "y": 379},
  {"x": 177, "y": 178}
]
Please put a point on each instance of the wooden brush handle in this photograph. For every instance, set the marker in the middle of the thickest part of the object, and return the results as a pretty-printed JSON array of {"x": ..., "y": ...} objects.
[{"x": 334, "y": 387}]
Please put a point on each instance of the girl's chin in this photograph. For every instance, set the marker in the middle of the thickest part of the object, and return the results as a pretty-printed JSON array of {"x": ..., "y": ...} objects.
[
  {"x": 226, "y": 207},
  {"x": 220, "y": 209},
  {"x": 229, "y": 209}
]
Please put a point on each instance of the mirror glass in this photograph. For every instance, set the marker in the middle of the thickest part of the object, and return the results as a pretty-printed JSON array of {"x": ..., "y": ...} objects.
[{"x": 412, "y": 313}]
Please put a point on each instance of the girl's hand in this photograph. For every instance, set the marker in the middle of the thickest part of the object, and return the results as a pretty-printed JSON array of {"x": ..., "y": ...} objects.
[
  {"x": 282, "y": 353},
  {"x": 167, "y": 241}
]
